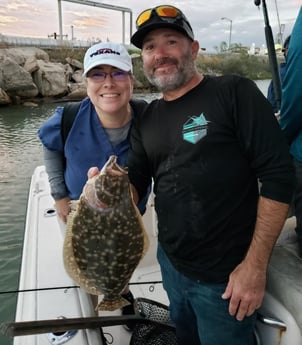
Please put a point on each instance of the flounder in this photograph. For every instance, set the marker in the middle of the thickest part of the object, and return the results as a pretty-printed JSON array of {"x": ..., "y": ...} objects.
[{"x": 105, "y": 236}]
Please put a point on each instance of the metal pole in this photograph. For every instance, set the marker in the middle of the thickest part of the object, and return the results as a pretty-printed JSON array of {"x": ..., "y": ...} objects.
[
  {"x": 231, "y": 27},
  {"x": 271, "y": 54},
  {"x": 230, "y": 39},
  {"x": 279, "y": 25},
  {"x": 60, "y": 20},
  {"x": 123, "y": 21},
  {"x": 101, "y": 5},
  {"x": 131, "y": 23}
]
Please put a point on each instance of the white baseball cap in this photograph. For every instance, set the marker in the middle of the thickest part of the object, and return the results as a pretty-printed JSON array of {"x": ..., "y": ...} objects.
[{"x": 107, "y": 53}]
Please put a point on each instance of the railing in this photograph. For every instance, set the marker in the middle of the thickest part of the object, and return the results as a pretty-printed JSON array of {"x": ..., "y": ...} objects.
[{"x": 13, "y": 41}]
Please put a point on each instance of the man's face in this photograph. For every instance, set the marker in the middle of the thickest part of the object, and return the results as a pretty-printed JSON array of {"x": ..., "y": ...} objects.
[{"x": 168, "y": 58}]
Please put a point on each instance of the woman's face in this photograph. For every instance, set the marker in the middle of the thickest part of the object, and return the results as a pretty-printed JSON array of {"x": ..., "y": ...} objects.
[{"x": 109, "y": 88}]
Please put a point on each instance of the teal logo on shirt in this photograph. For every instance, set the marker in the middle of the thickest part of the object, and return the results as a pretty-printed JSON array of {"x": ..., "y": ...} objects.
[{"x": 195, "y": 129}]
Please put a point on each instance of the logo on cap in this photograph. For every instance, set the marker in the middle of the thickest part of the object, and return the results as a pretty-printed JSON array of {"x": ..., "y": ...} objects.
[{"x": 105, "y": 51}]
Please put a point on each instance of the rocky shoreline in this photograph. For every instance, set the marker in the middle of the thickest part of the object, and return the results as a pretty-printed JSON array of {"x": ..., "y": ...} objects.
[{"x": 28, "y": 77}]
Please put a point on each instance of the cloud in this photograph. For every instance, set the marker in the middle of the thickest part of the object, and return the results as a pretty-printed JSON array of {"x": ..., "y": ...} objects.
[
  {"x": 4, "y": 20},
  {"x": 89, "y": 22},
  {"x": 205, "y": 16}
]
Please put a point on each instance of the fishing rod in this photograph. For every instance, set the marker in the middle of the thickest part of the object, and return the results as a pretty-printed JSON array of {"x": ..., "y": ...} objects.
[
  {"x": 271, "y": 54},
  {"x": 151, "y": 282}
]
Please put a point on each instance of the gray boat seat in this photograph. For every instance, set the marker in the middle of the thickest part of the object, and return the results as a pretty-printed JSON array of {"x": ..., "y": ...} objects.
[{"x": 284, "y": 280}]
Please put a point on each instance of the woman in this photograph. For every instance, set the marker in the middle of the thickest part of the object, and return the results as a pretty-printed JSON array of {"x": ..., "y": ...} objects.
[{"x": 100, "y": 128}]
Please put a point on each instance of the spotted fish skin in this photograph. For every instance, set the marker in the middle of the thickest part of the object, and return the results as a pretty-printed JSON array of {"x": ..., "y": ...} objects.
[{"x": 105, "y": 236}]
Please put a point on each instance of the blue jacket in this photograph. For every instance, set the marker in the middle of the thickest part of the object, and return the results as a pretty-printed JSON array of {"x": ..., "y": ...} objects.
[
  {"x": 87, "y": 145},
  {"x": 291, "y": 105}
]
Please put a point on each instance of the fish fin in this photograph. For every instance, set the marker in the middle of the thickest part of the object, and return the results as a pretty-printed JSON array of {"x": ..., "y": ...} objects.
[
  {"x": 142, "y": 226},
  {"x": 73, "y": 204},
  {"x": 112, "y": 304},
  {"x": 92, "y": 290}
]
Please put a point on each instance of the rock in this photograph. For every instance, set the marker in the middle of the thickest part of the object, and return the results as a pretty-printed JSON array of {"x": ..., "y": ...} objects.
[
  {"x": 15, "y": 80},
  {"x": 68, "y": 71},
  {"x": 4, "y": 98},
  {"x": 77, "y": 76},
  {"x": 77, "y": 91},
  {"x": 30, "y": 104},
  {"x": 50, "y": 78},
  {"x": 74, "y": 63},
  {"x": 27, "y": 72},
  {"x": 20, "y": 55},
  {"x": 31, "y": 65},
  {"x": 138, "y": 84}
]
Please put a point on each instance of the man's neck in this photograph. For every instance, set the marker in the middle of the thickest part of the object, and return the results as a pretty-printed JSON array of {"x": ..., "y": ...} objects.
[{"x": 174, "y": 94}]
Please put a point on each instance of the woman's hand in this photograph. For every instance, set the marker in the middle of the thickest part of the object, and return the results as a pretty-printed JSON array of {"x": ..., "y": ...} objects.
[{"x": 63, "y": 208}]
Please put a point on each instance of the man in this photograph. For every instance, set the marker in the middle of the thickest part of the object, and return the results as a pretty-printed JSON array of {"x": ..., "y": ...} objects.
[
  {"x": 291, "y": 115},
  {"x": 205, "y": 144},
  {"x": 282, "y": 71}
]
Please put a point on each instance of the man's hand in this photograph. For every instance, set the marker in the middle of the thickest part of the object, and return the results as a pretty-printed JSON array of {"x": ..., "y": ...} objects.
[
  {"x": 92, "y": 172},
  {"x": 246, "y": 286},
  {"x": 245, "y": 290}
]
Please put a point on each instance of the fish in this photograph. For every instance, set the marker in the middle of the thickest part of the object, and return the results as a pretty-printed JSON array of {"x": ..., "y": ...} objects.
[{"x": 105, "y": 236}]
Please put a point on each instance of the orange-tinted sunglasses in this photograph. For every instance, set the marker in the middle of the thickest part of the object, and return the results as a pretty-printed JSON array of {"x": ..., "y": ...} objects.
[{"x": 164, "y": 11}]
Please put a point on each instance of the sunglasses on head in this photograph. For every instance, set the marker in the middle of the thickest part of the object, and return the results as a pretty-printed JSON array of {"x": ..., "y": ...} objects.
[{"x": 164, "y": 11}]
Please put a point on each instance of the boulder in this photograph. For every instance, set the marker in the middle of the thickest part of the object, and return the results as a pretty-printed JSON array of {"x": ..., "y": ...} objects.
[
  {"x": 16, "y": 81},
  {"x": 31, "y": 65},
  {"x": 30, "y": 104},
  {"x": 74, "y": 63},
  {"x": 68, "y": 71},
  {"x": 4, "y": 98},
  {"x": 50, "y": 79},
  {"x": 21, "y": 54},
  {"x": 77, "y": 76},
  {"x": 77, "y": 90},
  {"x": 27, "y": 73}
]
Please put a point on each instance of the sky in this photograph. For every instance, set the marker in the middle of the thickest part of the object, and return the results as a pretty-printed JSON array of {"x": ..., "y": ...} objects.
[{"x": 40, "y": 18}]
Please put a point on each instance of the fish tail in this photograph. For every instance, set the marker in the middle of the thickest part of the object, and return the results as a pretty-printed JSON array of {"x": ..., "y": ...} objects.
[{"x": 112, "y": 304}]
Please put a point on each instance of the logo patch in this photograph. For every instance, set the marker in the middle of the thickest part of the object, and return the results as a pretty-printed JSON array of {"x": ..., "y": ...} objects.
[
  {"x": 195, "y": 129},
  {"x": 104, "y": 51}
]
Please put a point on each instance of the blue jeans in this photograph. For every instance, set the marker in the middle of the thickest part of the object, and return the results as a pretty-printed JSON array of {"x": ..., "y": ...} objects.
[{"x": 199, "y": 313}]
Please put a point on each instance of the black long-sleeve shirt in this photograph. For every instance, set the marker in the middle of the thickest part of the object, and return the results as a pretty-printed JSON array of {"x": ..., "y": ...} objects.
[{"x": 206, "y": 152}]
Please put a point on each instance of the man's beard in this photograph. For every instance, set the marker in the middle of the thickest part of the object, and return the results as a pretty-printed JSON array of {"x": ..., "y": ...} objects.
[{"x": 173, "y": 81}]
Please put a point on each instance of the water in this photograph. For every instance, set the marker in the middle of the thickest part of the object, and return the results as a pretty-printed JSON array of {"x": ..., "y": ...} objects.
[{"x": 20, "y": 153}]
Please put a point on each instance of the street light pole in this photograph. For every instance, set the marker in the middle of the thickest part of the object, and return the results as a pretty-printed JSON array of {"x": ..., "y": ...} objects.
[
  {"x": 231, "y": 25},
  {"x": 72, "y": 37}
]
